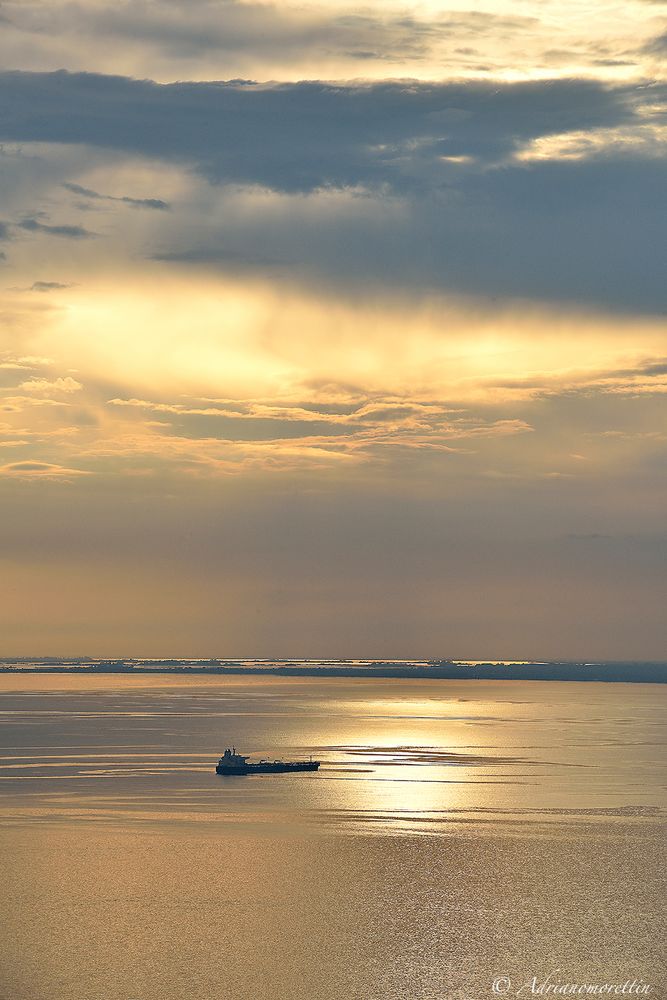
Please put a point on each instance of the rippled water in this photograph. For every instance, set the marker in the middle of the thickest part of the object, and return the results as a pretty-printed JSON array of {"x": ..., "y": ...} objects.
[{"x": 456, "y": 831}]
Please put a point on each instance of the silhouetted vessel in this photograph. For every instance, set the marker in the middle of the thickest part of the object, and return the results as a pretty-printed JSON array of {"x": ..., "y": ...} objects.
[{"x": 232, "y": 762}]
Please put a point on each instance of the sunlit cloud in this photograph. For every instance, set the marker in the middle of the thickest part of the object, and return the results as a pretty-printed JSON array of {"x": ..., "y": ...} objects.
[
  {"x": 66, "y": 384},
  {"x": 19, "y": 403},
  {"x": 205, "y": 40},
  {"x": 648, "y": 141},
  {"x": 39, "y": 470},
  {"x": 9, "y": 363}
]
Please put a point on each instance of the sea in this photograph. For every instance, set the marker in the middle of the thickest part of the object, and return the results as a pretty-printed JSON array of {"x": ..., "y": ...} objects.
[{"x": 462, "y": 839}]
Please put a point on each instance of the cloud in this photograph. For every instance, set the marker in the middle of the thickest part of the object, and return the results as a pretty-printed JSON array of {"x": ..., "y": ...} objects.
[
  {"x": 66, "y": 384},
  {"x": 40, "y": 470},
  {"x": 68, "y": 232},
  {"x": 304, "y": 136},
  {"x": 16, "y": 404},
  {"x": 48, "y": 286},
  {"x": 543, "y": 189},
  {"x": 231, "y": 259},
  {"x": 583, "y": 231},
  {"x": 186, "y": 29},
  {"x": 187, "y": 33},
  {"x": 657, "y": 46},
  {"x": 153, "y": 203},
  {"x": 207, "y": 39},
  {"x": 283, "y": 433},
  {"x": 646, "y": 378},
  {"x": 13, "y": 362}
]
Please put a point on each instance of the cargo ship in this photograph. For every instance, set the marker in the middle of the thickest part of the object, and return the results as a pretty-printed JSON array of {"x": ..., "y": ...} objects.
[{"x": 232, "y": 762}]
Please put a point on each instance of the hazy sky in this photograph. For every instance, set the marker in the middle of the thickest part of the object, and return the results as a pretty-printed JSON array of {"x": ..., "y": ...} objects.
[{"x": 331, "y": 330}]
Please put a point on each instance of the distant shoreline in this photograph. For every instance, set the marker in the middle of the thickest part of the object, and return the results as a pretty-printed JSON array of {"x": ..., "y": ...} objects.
[{"x": 610, "y": 672}]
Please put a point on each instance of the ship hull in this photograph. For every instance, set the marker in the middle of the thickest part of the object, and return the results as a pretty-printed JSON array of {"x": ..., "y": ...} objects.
[{"x": 273, "y": 767}]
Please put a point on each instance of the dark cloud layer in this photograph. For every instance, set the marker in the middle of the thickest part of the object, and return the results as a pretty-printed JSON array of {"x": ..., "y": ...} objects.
[
  {"x": 303, "y": 136},
  {"x": 479, "y": 219}
]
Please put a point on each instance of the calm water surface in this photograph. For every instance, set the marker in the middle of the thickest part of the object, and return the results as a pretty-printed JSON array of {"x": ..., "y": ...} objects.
[{"x": 457, "y": 831}]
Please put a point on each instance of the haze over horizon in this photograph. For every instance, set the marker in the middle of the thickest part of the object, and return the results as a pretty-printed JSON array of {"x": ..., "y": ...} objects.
[{"x": 328, "y": 330}]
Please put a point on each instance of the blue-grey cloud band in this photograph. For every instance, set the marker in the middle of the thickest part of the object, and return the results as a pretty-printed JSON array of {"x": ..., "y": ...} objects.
[{"x": 480, "y": 218}]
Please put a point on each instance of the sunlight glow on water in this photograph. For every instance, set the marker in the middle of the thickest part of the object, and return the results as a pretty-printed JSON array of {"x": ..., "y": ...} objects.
[{"x": 455, "y": 831}]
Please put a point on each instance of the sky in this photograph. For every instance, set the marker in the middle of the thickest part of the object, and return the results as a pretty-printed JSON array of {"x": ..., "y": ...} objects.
[{"x": 333, "y": 331}]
